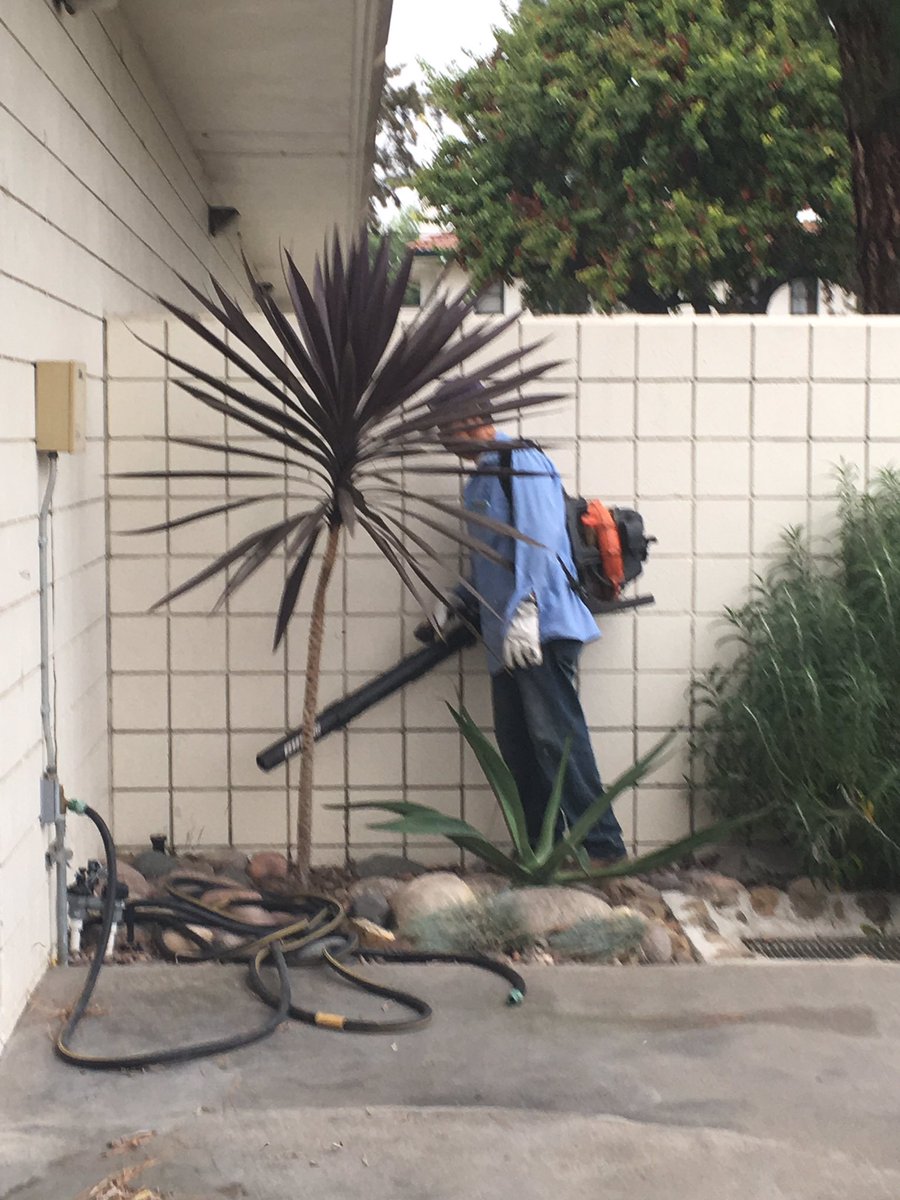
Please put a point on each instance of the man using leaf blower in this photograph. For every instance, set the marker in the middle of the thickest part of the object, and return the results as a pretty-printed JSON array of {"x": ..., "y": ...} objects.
[{"x": 534, "y": 626}]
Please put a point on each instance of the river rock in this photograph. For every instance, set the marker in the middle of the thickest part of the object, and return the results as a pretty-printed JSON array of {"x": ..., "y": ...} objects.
[
  {"x": 267, "y": 864},
  {"x": 719, "y": 889},
  {"x": 623, "y": 892},
  {"x": 656, "y": 944},
  {"x": 138, "y": 887},
  {"x": 226, "y": 857},
  {"x": 251, "y": 914},
  {"x": 179, "y": 945},
  {"x": 764, "y": 900},
  {"x": 428, "y": 894},
  {"x": 541, "y": 911},
  {"x": 385, "y": 885},
  {"x": 484, "y": 884},
  {"x": 391, "y": 865},
  {"x": 236, "y": 875},
  {"x": 154, "y": 864},
  {"x": 371, "y": 905},
  {"x": 876, "y": 906},
  {"x": 807, "y": 898},
  {"x": 665, "y": 881}
]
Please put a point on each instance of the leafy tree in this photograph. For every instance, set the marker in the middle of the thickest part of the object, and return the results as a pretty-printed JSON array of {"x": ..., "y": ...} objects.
[
  {"x": 396, "y": 136},
  {"x": 638, "y": 152},
  {"x": 868, "y": 38}
]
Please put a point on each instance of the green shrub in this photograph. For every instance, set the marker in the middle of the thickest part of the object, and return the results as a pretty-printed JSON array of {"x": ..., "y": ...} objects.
[
  {"x": 807, "y": 719},
  {"x": 553, "y": 859}
]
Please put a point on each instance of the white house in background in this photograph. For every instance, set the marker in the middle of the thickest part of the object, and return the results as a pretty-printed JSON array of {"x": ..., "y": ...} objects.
[
  {"x": 139, "y": 139},
  {"x": 436, "y": 265}
]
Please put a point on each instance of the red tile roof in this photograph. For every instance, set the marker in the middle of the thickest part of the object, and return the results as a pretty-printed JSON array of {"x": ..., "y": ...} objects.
[{"x": 435, "y": 243}]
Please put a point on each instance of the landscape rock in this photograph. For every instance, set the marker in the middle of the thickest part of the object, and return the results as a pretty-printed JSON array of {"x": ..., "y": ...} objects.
[
  {"x": 428, "y": 894},
  {"x": 656, "y": 944},
  {"x": 626, "y": 890},
  {"x": 391, "y": 865},
  {"x": 236, "y": 875},
  {"x": 807, "y": 898},
  {"x": 764, "y": 900},
  {"x": 720, "y": 890},
  {"x": 876, "y": 906},
  {"x": 267, "y": 864},
  {"x": 384, "y": 885},
  {"x": 614, "y": 936},
  {"x": 372, "y": 906},
  {"x": 252, "y": 914},
  {"x": 681, "y": 948},
  {"x": 197, "y": 868},
  {"x": 225, "y": 897},
  {"x": 154, "y": 864},
  {"x": 484, "y": 884},
  {"x": 542, "y": 911},
  {"x": 226, "y": 856},
  {"x": 180, "y": 946},
  {"x": 138, "y": 886},
  {"x": 655, "y": 910},
  {"x": 197, "y": 864},
  {"x": 664, "y": 881}
]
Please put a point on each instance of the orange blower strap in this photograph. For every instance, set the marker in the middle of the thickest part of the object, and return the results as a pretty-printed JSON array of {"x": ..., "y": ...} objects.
[{"x": 599, "y": 518}]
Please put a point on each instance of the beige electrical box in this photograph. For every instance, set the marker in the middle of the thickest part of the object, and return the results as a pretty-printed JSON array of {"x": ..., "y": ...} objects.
[{"x": 59, "y": 406}]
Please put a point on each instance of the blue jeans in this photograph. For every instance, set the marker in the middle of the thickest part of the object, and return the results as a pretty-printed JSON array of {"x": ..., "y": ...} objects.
[{"x": 536, "y": 710}]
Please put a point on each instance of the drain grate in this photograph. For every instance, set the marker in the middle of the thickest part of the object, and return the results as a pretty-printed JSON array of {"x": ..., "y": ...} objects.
[{"x": 826, "y": 947}]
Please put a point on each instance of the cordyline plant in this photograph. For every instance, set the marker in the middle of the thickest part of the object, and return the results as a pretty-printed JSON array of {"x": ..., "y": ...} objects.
[
  {"x": 347, "y": 405},
  {"x": 555, "y": 857}
]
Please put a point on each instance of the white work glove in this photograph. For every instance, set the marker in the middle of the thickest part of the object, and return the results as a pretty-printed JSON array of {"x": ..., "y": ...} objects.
[{"x": 522, "y": 644}]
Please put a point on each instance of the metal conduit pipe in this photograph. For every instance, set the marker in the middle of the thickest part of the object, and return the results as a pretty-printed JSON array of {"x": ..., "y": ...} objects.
[{"x": 51, "y": 807}]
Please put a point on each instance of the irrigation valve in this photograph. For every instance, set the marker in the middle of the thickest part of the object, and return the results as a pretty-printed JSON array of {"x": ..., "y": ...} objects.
[{"x": 86, "y": 902}]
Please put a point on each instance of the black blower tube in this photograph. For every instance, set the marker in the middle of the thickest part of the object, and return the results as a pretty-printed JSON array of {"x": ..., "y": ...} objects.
[{"x": 341, "y": 712}]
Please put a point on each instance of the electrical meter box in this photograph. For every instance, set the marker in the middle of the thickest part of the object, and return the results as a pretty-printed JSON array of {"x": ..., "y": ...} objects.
[{"x": 59, "y": 406}]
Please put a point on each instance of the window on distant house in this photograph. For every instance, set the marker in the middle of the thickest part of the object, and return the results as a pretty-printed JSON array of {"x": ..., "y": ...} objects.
[
  {"x": 491, "y": 299},
  {"x": 804, "y": 297},
  {"x": 412, "y": 297}
]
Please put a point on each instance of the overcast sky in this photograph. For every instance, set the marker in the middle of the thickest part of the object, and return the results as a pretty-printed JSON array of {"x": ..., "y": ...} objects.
[
  {"x": 441, "y": 32},
  {"x": 439, "y": 38}
]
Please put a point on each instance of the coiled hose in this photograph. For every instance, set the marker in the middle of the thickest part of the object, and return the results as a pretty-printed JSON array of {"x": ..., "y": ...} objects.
[{"x": 316, "y": 933}]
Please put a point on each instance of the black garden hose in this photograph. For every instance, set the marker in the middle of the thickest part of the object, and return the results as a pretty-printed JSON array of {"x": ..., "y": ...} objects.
[{"x": 316, "y": 933}]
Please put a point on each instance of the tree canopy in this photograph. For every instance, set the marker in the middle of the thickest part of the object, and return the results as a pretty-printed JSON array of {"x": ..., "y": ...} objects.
[
  {"x": 638, "y": 153},
  {"x": 396, "y": 136},
  {"x": 868, "y": 38}
]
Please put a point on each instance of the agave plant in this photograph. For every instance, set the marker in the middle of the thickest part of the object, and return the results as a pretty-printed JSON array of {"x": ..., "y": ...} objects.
[
  {"x": 347, "y": 405},
  {"x": 555, "y": 858}
]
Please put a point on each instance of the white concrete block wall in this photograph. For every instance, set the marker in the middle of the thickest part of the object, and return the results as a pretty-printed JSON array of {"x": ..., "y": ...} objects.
[
  {"x": 722, "y": 430},
  {"x": 100, "y": 198}
]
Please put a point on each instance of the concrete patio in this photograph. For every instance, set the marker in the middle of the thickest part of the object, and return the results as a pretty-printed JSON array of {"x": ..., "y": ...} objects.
[{"x": 745, "y": 1082}]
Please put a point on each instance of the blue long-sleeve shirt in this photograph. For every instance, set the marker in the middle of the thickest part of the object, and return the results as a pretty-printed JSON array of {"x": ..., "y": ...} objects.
[{"x": 539, "y": 505}]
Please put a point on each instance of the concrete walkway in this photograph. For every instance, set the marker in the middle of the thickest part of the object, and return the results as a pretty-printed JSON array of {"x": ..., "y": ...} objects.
[{"x": 749, "y": 1082}]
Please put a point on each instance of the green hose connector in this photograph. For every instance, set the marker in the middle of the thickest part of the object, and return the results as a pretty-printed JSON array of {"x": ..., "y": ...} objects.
[
  {"x": 516, "y": 996},
  {"x": 75, "y": 806}
]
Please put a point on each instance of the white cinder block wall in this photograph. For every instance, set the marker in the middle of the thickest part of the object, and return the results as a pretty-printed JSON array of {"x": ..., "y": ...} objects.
[
  {"x": 101, "y": 197},
  {"x": 722, "y": 430}
]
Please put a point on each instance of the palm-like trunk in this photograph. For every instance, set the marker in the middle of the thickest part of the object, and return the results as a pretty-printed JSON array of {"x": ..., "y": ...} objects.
[
  {"x": 870, "y": 64},
  {"x": 311, "y": 704}
]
